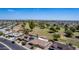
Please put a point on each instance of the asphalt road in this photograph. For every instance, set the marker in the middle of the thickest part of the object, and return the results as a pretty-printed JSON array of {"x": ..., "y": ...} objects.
[
  {"x": 2, "y": 47},
  {"x": 11, "y": 45}
]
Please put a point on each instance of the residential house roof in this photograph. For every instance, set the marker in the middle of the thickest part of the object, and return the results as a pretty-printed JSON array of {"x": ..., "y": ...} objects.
[
  {"x": 40, "y": 43},
  {"x": 61, "y": 46}
]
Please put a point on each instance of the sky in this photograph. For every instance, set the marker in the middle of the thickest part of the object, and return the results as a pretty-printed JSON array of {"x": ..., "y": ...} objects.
[{"x": 40, "y": 13}]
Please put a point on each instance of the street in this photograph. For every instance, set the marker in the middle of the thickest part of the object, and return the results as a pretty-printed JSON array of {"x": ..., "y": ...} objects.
[{"x": 11, "y": 45}]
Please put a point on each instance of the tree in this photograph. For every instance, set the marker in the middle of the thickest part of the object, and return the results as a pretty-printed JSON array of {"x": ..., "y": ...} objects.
[
  {"x": 51, "y": 40},
  {"x": 72, "y": 29},
  {"x": 47, "y": 25},
  {"x": 56, "y": 36},
  {"x": 23, "y": 25},
  {"x": 32, "y": 47},
  {"x": 25, "y": 30},
  {"x": 68, "y": 33},
  {"x": 41, "y": 25},
  {"x": 66, "y": 27},
  {"x": 17, "y": 23},
  {"x": 31, "y": 25},
  {"x": 77, "y": 27},
  {"x": 13, "y": 42},
  {"x": 54, "y": 24},
  {"x": 70, "y": 44},
  {"x": 52, "y": 30},
  {"x": 57, "y": 27}
]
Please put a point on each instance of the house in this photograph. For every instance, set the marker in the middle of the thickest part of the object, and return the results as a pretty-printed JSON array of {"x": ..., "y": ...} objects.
[
  {"x": 40, "y": 43},
  {"x": 29, "y": 37},
  {"x": 60, "y": 46},
  {"x": 17, "y": 28}
]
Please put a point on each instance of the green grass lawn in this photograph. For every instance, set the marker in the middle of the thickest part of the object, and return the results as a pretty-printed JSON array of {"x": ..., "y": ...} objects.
[
  {"x": 74, "y": 42},
  {"x": 42, "y": 32}
]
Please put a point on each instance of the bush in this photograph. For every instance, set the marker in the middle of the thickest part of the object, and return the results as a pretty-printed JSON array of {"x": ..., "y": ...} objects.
[
  {"x": 1, "y": 33},
  {"x": 55, "y": 39},
  {"x": 51, "y": 40},
  {"x": 23, "y": 43},
  {"x": 19, "y": 39},
  {"x": 32, "y": 47},
  {"x": 51, "y": 31},
  {"x": 77, "y": 37},
  {"x": 70, "y": 44}
]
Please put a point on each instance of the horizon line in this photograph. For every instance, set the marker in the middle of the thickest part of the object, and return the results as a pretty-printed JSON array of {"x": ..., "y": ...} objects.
[{"x": 35, "y": 20}]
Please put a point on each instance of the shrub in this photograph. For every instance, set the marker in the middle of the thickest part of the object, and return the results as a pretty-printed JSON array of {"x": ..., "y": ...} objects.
[
  {"x": 23, "y": 43},
  {"x": 32, "y": 47},
  {"x": 51, "y": 40},
  {"x": 1, "y": 33}
]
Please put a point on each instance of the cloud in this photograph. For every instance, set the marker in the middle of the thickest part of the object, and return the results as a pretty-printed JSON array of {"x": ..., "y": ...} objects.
[{"x": 11, "y": 10}]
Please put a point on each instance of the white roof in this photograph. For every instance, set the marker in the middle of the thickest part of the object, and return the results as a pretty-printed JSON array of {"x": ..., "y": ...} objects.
[{"x": 42, "y": 39}]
